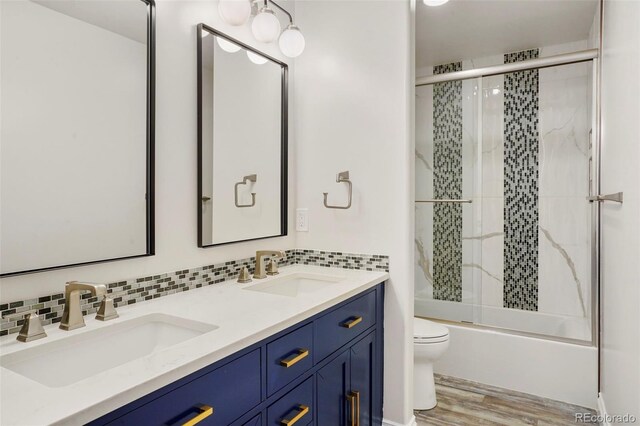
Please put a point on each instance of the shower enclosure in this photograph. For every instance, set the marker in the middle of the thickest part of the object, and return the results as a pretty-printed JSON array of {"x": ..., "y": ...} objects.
[{"x": 505, "y": 234}]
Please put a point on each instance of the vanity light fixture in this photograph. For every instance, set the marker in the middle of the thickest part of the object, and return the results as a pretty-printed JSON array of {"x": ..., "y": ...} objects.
[
  {"x": 291, "y": 41},
  {"x": 265, "y": 25},
  {"x": 234, "y": 12},
  {"x": 434, "y": 2}
]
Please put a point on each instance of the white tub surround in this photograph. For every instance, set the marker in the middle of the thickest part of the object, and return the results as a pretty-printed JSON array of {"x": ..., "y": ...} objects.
[{"x": 243, "y": 317}]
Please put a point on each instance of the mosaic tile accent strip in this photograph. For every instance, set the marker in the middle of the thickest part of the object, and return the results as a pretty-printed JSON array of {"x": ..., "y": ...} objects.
[
  {"x": 138, "y": 290},
  {"x": 447, "y": 184},
  {"x": 335, "y": 259},
  {"x": 521, "y": 148}
]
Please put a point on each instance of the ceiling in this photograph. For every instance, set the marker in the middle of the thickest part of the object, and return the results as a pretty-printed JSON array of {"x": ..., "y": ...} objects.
[{"x": 466, "y": 29}]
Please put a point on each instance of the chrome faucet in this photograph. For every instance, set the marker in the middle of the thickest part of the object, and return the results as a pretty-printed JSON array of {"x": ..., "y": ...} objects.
[
  {"x": 72, "y": 315},
  {"x": 260, "y": 269}
]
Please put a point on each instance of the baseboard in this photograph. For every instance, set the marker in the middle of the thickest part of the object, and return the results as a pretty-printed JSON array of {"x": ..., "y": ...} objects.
[
  {"x": 602, "y": 411},
  {"x": 412, "y": 422}
]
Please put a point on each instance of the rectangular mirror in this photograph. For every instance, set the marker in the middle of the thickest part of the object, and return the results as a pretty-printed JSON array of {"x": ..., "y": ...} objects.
[
  {"x": 76, "y": 137},
  {"x": 242, "y": 141}
]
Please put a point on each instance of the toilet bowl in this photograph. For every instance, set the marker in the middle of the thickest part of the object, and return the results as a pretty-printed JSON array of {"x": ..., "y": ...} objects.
[{"x": 430, "y": 341}]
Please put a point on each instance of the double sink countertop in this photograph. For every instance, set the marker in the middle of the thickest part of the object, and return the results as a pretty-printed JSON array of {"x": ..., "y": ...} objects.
[{"x": 216, "y": 321}]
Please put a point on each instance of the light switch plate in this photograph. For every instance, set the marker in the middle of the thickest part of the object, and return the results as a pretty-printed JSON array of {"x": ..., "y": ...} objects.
[{"x": 302, "y": 220}]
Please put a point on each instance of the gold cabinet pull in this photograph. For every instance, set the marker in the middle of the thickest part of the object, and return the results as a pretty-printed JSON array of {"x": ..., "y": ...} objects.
[
  {"x": 352, "y": 408},
  {"x": 302, "y": 411},
  {"x": 205, "y": 411},
  {"x": 294, "y": 359},
  {"x": 357, "y": 396},
  {"x": 352, "y": 322}
]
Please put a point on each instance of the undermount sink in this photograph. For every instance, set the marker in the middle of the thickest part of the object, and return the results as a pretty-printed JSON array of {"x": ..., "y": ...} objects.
[
  {"x": 296, "y": 284},
  {"x": 69, "y": 360}
]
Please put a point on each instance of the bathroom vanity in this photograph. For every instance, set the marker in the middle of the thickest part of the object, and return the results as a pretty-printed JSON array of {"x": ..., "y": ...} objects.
[{"x": 303, "y": 347}]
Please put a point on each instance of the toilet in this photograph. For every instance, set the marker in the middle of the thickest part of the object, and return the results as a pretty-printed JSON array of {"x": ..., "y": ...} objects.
[{"x": 430, "y": 341}]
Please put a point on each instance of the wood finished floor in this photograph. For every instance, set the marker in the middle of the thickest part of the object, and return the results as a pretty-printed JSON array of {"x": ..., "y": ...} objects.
[{"x": 465, "y": 403}]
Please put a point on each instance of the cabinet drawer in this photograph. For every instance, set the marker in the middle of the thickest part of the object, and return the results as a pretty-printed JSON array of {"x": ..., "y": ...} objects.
[
  {"x": 230, "y": 390},
  {"x": 295, "y": 408},
  {"x": 340, "y": 326},
  {"x": 288, "y": 357}
]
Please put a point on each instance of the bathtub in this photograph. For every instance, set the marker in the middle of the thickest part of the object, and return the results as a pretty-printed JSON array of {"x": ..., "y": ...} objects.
[
  {"x": 554, "y": 369},
  {"x": 551, "y": 325}
]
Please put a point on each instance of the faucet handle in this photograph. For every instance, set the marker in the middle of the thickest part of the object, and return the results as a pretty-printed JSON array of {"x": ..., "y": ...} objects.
[
  {"x": 107, "y": 309},
  {"x": 32, "y": 327},
  {"x": 272, "y": 267},
  {"x": 245, "y": 276}
]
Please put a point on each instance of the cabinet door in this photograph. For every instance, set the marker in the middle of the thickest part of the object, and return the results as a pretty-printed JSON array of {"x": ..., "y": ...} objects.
[
  {"x": 365, "y": 381},
  {"x": 332, "y": 385}
]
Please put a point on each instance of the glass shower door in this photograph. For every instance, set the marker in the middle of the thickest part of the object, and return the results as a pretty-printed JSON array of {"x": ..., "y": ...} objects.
[
  {"x": 536, "y": 220},
  {"x": 447, "y": 153}
]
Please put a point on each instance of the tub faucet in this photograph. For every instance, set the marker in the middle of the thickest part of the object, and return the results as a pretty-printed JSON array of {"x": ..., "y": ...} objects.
[
  {"x": 260, "y": 269},
  {"x": 72, "y": 315}
]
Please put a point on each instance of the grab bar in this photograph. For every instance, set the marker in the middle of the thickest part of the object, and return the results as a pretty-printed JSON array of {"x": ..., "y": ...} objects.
[
  {"x": 342, "y": 177},
  {"x": 250, "y": 178},
  {"x": 445, "y": 201}
]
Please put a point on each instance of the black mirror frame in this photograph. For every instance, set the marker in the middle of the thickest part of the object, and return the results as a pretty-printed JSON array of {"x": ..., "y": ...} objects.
[
  {"x": 150, "y": 164},
  {"x": 284, "y": 136}
]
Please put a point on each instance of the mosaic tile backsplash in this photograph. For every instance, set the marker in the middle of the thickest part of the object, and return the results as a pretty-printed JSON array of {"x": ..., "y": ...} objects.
[{"x": 136, "y": 290}]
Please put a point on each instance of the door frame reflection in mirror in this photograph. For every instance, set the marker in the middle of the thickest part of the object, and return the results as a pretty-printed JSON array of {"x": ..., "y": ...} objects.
[
  {"x": 150, "y": 157},
  {"x": 284, "y": 129}
]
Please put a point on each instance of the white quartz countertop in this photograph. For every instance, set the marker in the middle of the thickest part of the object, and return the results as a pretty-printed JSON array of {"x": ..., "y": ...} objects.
[{"x": 243, "y": 317}]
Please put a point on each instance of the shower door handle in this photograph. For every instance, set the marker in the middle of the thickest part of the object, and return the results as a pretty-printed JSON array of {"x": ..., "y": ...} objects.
[{"x": 616, "y": 198}]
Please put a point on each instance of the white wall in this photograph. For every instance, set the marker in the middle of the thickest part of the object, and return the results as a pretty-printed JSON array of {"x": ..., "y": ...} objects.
[
  {"x": 353, "y": 86},
  {"x": 176, "y": 160},
  {"x": 620, "y": 255},
  {"x": 70, "y": 173}
]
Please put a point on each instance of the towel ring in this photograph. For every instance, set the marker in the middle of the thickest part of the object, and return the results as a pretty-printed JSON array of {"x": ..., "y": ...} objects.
[
  {"x": 342, "y": 177},
  {"x": 245, "y": 180}
]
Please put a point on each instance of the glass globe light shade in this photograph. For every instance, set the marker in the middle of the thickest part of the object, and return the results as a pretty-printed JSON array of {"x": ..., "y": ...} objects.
[
  {"x": 234, "y": 12},
  {"x": 265, "y": 26},
  {"x": 256, "y": 59},
  {"x": 291, "y": 42},
  {"x": 434, "y": 2},
  {"x": 227, "y": 46}
]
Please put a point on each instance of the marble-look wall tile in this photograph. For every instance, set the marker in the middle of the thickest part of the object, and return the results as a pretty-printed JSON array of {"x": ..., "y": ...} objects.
[
  {"x": 471, "y": 276},
  {"x": 565, "y": 214},
  {"x": 423, "y": 239}
]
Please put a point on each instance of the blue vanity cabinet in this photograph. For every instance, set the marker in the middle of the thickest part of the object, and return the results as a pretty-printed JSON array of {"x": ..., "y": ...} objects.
[
  {"x": 215, "y": 398},
  {"x": 256, "y": 421},
  {"x": 349, "y": 389},
  {"x": 325, "y": 371},
  {"x": 366, "y": 380},
  {"x": 332, "y": 389},
  {"x": 296, "y": 407},
  {"x": 288, "y": 357},
  {"x": 344, "y": 323}
]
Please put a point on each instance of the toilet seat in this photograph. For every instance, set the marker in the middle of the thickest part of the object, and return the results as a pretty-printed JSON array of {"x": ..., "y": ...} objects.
[{"x": 426, "y": 332}]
